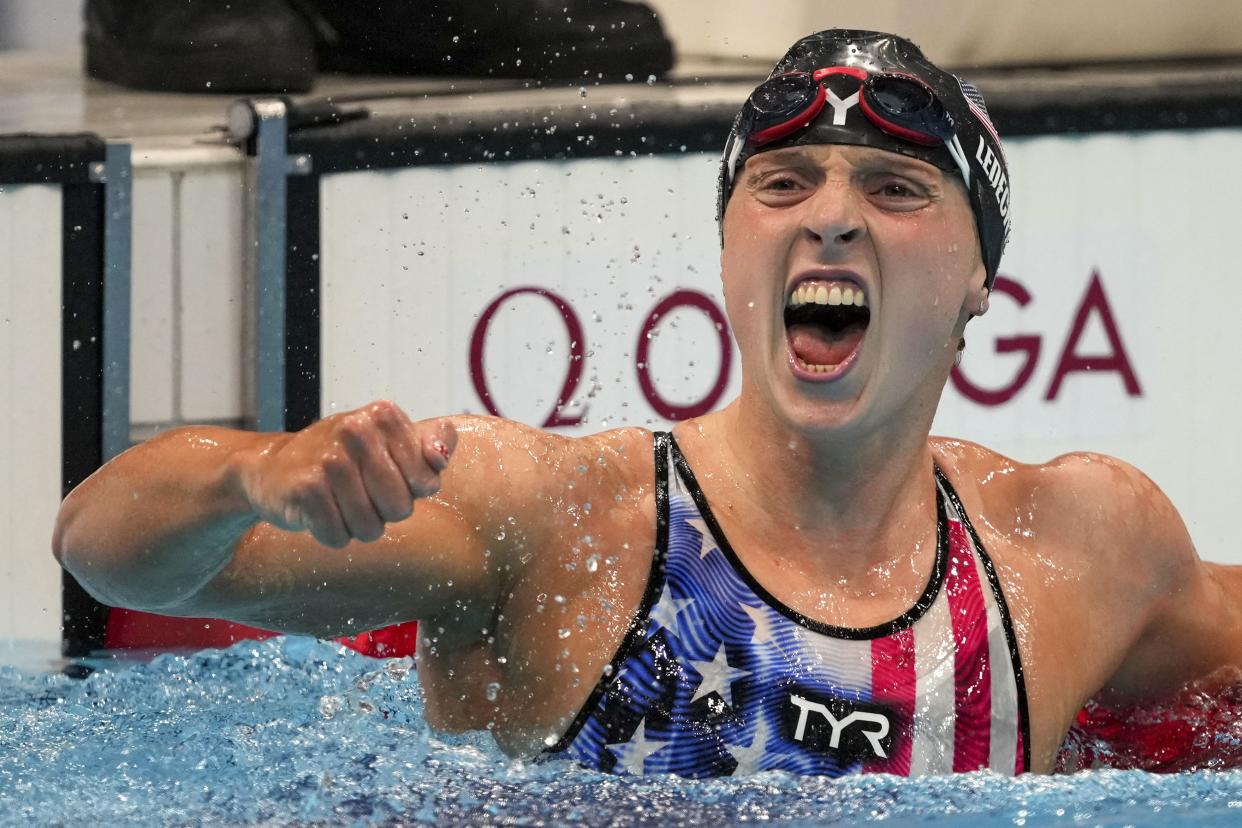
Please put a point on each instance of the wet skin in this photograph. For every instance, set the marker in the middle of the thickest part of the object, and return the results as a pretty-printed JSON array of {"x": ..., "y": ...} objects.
[{"x": 524, "y": 553}]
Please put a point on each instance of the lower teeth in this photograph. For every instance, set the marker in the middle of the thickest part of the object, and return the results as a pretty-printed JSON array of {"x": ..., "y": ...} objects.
[{"x": 816, "y": 369}]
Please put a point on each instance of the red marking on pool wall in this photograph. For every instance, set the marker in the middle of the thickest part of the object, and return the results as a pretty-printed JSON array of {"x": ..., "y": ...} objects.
[{"x": 134, "y": 630}]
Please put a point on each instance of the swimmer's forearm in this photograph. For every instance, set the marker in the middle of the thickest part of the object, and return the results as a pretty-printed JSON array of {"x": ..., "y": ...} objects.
[{"x": 154, "y": 525}]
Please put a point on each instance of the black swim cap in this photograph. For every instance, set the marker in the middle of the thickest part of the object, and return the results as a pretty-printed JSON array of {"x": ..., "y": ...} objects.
[{"x": 974, "y": 153}]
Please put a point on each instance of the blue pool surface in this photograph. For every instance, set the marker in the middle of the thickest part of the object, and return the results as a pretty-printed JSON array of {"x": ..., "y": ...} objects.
[{"x": 294, "y": 731}]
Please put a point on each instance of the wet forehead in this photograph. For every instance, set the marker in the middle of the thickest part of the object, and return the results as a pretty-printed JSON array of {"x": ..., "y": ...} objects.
[{"x": 864, "y": 158}]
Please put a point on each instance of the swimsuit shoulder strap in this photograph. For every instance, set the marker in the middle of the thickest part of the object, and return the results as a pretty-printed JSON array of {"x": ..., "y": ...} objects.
[
  {"x": 1002, "y": 606},
  {"x": 637, "y": 629}
]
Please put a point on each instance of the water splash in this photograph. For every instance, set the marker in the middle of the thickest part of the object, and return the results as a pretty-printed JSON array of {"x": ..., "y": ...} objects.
[{"x": 293, "y": 731}]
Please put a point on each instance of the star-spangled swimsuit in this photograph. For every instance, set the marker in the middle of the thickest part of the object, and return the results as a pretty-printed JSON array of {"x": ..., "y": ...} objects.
[{"x": 716, "y": 677}]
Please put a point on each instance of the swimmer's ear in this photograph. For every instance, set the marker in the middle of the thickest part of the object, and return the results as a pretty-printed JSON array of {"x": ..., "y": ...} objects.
[{"x": 976, "y": 302}]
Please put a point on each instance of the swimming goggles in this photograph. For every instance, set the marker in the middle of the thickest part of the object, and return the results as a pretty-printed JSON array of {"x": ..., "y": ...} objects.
[{"x": 898, "y": 104}]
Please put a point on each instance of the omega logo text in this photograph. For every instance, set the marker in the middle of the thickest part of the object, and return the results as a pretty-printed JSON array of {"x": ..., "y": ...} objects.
[{"x": 971, "y": 380}]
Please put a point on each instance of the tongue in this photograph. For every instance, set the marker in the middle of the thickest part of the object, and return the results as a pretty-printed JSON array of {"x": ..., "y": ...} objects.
[{"x": 816, "y": 345}]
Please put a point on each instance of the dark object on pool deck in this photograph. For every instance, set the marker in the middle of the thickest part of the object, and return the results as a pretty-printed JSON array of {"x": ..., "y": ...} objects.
[
  {"x": 545, "y": 40},
  {"x": 200, "y": 45},
  {"x": 266, "y": 46}
]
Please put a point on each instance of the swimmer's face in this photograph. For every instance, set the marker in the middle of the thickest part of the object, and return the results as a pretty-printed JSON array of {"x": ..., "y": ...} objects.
[{"x": 897, "y": 229}]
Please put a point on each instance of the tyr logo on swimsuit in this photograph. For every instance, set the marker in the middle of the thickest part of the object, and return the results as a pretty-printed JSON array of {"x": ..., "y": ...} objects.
[{"x": 854, "y": 731}]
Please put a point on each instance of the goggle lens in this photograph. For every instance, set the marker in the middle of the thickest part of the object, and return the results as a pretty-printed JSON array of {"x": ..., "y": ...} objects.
[
  {"x": 784, "y": 95},
  {"x": 901, "y": 97},
  {"x": 900, "y": 105}
]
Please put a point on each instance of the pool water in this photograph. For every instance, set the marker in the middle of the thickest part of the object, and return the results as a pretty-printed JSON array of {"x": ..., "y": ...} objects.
[{"x": 294, "y": 731}]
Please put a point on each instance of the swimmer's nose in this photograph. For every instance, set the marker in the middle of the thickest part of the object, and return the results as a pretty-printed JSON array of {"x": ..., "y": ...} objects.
[{"x": 833, "y": 219}]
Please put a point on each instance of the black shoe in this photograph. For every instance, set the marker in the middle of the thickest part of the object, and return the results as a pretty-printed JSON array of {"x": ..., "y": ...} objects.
[
  {"x": 547, "y": 40},
  {"x": 234, "y": 46}
]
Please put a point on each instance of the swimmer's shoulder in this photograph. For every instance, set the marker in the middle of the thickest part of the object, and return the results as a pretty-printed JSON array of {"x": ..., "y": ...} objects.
[
  {"x": 1086, "y": 502},
  {"x": 1072, "y": 482},
  {"x": 617, "y": 460}
]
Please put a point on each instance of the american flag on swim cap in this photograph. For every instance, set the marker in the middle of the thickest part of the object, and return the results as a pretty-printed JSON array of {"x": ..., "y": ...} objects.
[{"x": 973, "y": 95}]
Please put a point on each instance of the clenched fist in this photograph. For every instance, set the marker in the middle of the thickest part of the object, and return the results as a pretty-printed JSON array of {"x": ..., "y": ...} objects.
[{"x": 347, "y": 476}]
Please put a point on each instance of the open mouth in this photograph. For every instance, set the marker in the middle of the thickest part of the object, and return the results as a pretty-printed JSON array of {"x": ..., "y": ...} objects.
[{"x": 825, "y": 325}]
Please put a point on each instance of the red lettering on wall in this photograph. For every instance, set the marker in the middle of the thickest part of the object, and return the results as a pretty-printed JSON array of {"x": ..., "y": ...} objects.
[
  {"x": 1094, "y": 300},
  {"x": 576, "y": 349},
  {"x": 1028, "y": 344},
  {"x": 666, "y": 409}
]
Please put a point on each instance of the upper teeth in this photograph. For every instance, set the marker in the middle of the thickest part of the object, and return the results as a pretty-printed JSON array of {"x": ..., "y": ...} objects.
[{"x": 809, "y": 294}]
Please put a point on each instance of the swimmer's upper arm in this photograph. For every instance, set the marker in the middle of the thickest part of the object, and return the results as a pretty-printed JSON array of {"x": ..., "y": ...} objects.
[
  {"x": 455, "y": 552},
  {"x": 1185, "y": 615}
]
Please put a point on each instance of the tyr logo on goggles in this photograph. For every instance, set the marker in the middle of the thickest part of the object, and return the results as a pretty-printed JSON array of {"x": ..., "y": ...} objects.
[{"x": 899, "y": 105}]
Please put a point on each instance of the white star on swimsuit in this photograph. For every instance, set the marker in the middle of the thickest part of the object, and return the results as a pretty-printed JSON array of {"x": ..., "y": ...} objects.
[
  {"x": 748, "y": 757},
  {"x": 633, "y": 754},
  {"x": 718, "y": 677},
  {"x": 763, "y": 627},
  {"x": 664, "y": 613},
  {"x": 708, "y": 543}
]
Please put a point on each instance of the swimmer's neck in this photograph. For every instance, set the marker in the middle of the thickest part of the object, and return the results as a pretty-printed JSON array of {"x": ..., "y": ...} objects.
[{"x": 847, "y": 491}]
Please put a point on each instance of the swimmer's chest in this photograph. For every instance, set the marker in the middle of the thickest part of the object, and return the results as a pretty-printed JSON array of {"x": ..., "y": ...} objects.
[{"x": 716, "y": 676}]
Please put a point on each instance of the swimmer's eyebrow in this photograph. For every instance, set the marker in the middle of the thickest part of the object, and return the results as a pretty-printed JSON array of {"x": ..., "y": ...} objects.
[
  {"x": 891, "y": 162},
  {"x": 776, "y": 157},
  {"x": 764, "y": 162},
  {"x": 871, "y": 161}
]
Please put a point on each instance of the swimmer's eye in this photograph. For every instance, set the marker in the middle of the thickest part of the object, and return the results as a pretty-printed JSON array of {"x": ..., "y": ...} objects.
[
  {"x": 778, "y": 188},
  {"x": 897, "y": 191},
  {"x": 778, "y": 183},
  {"x": 899, "y": 194},
  {"x": 782, "y": 183}
]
